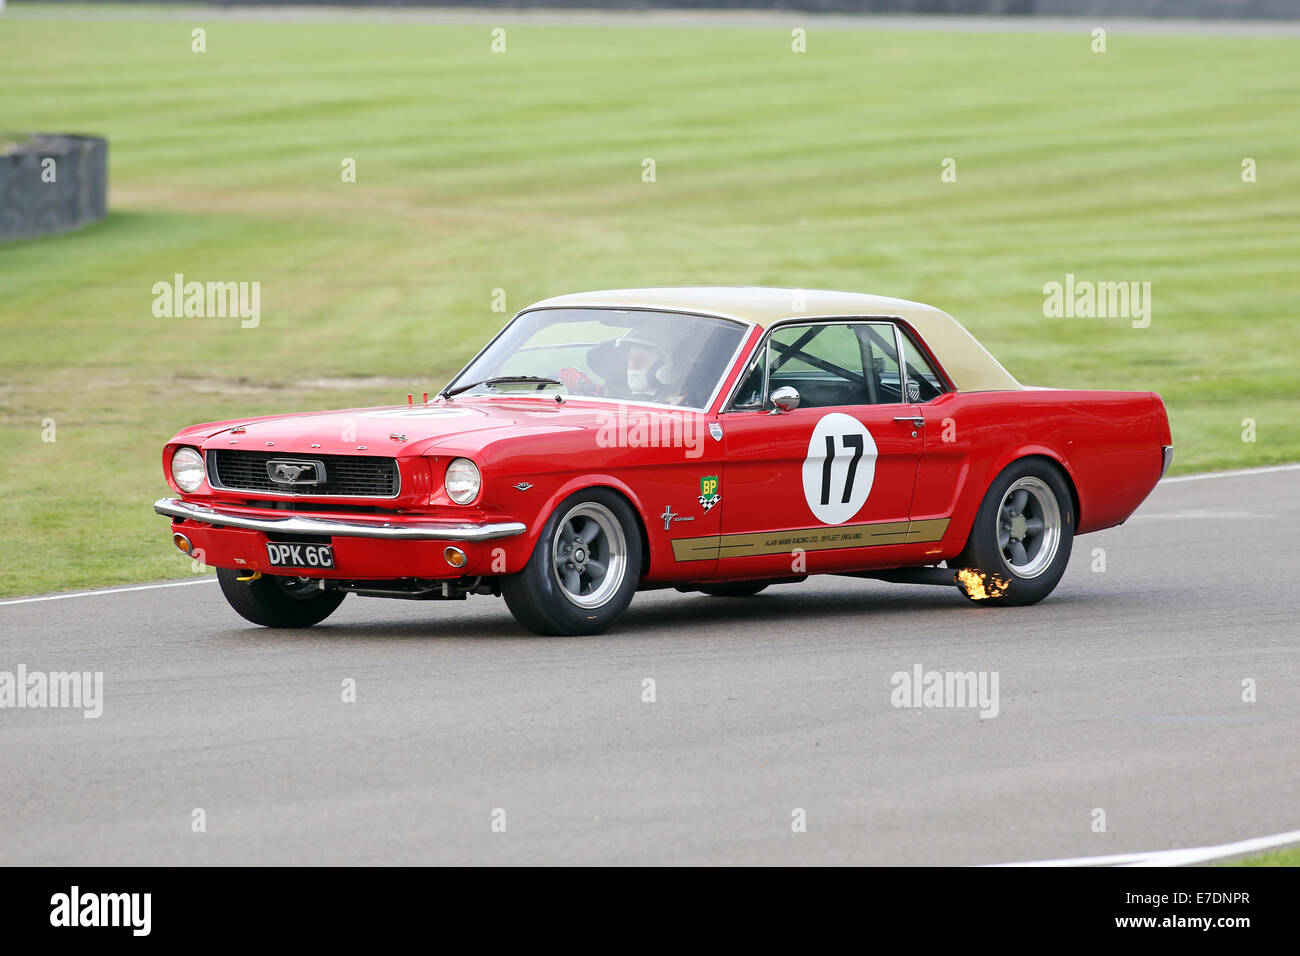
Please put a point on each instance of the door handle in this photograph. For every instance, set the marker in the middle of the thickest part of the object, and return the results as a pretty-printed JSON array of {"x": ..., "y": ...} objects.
[{"x": 916, "y": 420}]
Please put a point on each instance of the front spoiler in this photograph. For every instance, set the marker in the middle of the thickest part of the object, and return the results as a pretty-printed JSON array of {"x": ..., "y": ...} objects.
[{"x": 294, "y": 524}]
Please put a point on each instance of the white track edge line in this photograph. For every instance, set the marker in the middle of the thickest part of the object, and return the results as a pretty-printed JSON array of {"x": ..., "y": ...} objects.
[
  {"x": 1181, "y": 857},
  {"x": 138, "y": 587},
  {"x": 1263, "y": 470}
]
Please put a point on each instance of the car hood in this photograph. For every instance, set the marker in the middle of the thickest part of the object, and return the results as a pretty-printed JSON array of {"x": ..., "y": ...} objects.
[{"x": 462, "y": 426}]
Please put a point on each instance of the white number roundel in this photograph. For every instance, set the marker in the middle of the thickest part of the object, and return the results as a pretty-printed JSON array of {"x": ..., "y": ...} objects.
[{"x": 840, "y": 468}]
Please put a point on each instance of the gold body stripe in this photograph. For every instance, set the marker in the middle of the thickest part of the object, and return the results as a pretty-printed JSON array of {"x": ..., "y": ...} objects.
[{"x": 809, "y": 539}]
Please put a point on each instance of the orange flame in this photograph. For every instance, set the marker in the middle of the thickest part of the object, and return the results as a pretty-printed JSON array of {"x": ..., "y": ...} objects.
[{"x": 980, "y": 586}]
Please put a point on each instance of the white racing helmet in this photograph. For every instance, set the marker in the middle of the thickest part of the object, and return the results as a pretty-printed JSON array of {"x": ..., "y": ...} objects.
[{"x": 659, "y": 342}]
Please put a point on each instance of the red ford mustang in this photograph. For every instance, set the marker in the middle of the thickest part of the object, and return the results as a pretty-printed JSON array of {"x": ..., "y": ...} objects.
[{"x": 712, "y": 439}]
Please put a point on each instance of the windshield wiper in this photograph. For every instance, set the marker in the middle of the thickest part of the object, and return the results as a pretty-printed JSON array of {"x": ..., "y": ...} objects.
[{"x": 537, "y": 380}]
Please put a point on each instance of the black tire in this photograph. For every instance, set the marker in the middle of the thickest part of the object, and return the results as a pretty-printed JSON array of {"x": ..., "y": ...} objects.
[
  {"x": 1010, "y": 578},
  {"x": 275, "y": 601},
  {"x": 545, "y": 604},
  {"x": 739, "y": 589}
]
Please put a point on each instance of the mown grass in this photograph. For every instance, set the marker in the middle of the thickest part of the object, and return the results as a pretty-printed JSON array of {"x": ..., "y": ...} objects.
[
  {"x": 1289, "y": 857},
  {"x": 523, "y": 171}
]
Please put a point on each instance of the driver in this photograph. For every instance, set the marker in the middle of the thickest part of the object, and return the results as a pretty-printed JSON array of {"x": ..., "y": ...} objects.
[
  {"x": 638, "y": 365},
  {"x": 652, "y": 373}
]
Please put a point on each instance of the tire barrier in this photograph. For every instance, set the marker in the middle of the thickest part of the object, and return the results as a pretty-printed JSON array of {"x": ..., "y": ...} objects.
[{"x": 50, "y": 183}]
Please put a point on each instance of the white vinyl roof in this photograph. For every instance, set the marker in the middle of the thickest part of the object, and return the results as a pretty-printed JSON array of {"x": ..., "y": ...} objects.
[{"x": 968, "y": 364}]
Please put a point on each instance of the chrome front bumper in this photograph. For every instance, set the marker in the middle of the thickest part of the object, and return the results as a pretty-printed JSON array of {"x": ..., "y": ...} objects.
[
  {"x": 294, "y": 524},
  {"x": 1168, "y": 453}
]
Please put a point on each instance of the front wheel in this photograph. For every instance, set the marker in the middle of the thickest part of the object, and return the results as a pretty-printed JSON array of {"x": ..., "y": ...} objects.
[
  {"x": 278, "y": 601},
  {"x": 584, "y": 569},
  {"x": 1020, "y": 542}
]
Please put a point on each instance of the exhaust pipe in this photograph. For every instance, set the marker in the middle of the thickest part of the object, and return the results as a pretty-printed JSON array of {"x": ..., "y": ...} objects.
[
  {"x": 941, "y": 576},
  {"x": 976, "y": 585}
]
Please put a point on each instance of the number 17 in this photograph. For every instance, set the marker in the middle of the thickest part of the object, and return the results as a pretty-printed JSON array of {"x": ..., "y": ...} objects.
[{"x": 848, "y": 441}]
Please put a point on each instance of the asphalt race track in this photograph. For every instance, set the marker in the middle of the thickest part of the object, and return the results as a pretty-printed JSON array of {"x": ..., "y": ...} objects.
[{"x": 1121, "y": 692}]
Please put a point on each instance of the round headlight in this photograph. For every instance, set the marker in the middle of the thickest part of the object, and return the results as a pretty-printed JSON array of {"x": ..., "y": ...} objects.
[
  {"x": 462, "y": 481},
  {"x": 187, "y": 469}
]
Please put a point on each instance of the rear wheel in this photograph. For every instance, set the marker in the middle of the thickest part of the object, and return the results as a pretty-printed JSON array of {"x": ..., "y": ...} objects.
[
  {"x": 277, "y": 601},
  {"x": 1020, "y": 542},
  {"x": 584, "y": 569}
]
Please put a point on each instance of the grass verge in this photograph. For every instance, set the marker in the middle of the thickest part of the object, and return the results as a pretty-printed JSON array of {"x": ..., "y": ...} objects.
[{"x": 522, "y": 171}]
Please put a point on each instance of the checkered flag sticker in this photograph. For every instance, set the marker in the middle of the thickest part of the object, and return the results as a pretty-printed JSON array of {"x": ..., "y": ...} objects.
[{"x": 710, "y": 492}]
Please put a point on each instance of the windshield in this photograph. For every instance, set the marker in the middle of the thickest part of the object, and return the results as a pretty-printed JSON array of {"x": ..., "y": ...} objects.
[{"x": 659, "y": 357}]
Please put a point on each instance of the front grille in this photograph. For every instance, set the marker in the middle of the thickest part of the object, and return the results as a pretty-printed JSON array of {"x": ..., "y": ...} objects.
[
  {"x": 311, "y": 507},
  {"x": 353, "y": 476}
]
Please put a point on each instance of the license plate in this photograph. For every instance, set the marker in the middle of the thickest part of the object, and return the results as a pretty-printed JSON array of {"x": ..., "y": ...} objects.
[{"x": 285, "y": 555}]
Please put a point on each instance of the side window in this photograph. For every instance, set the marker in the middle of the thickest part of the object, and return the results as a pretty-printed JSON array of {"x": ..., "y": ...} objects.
[
  {"x": 824, "y": 362},
  {"x": 878, "y": 343},
  {"x": 923, "y": 382},
  {"x": 838, "y": 363}
]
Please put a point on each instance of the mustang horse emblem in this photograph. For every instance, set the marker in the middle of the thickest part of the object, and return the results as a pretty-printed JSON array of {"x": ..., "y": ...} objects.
[{"x": 295, "y": 472}]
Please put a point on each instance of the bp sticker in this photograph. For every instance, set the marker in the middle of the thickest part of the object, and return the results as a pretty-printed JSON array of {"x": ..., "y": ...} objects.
[
  {"x": 710, "y": 491},
  {"x": 840, "y": 468}
]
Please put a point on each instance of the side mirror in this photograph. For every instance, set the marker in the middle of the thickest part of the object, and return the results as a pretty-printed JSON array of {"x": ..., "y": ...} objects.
[{"x": 784, "y": 399}]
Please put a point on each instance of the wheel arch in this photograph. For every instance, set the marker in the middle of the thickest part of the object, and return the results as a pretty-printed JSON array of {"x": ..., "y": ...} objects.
[
  {"x": 587, "y": 483},
  {"x": 1052, "y": 460}
]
